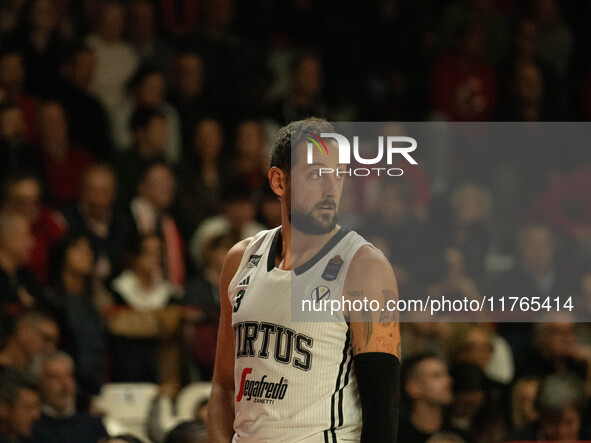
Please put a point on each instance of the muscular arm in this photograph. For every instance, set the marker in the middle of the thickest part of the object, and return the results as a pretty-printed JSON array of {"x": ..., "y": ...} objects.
[
  {"x": 375, "y": 341},
  {"x": 221, "y": 402}
]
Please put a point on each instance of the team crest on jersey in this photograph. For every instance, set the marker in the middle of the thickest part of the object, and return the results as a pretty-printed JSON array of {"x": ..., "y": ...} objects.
[
  {"x": 332, "y": 268},
  {"x": 253, "y": 261},
  {"x": 320, "y": 293}
]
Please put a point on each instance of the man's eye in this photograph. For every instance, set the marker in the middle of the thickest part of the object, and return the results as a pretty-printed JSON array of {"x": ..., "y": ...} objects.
[{"x": 315, "y": 175}]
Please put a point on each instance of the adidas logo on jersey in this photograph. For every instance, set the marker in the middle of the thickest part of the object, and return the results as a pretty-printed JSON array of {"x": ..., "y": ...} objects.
[
  {"x": 245, "y": 282},
  {"x": 261, "y": 391}
]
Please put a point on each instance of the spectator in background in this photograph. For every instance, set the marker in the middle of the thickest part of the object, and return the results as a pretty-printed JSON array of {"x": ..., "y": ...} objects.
[
  {"x": 201, "y": 175},
  {"x": 142, "y": 322},
  {"x": 463, "y": 84},
  {"x": 33, "y": 334},
  {"x": 95, "y": 216},
  {"x": 38, "y": 36},
  {"x": 250, "y": 159},
  {"x": 202, "y": 294},
  {"x": 12, "y": 88},
  {"x": 60, "y": 421},
  {"x": 82, "y": 326},
  {"x": 147, "y": 88},
  {"x": 237, "y": 219},
  {"x": 143, "y": 34},
  {"x": 536, "y": 275},
  {"x": 22, "y": 195},
  {"x": 523, "y": 395},
  {"x": 427, "y": 386},
  {"x": 187, "y": 432},
  {"x": 63, "y": 162},
  {"x": 561, "y": 403},
  {"x": 556, "y": 39},
  {"x": 187, "y": 93},
  {"x": 88, "y": 121},
  {"x": 19, "y": 407},
  {"x": 150, "y": 212},
  {"x": 19, "y": 288},
  {"x": 555, "y": 349},
  {"x": 116, "y": 60},
  {"x": 149, "y": 133},
  {"x": 17, "y": 154},
  {"x": 304, "y": 97}
]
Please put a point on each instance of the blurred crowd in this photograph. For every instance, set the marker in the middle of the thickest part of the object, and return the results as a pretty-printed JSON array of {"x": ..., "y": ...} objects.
[{"x": 134, "y": 145}]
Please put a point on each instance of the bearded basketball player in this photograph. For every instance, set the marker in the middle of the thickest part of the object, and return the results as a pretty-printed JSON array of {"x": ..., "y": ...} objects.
[{"x": 281, "y": 380}]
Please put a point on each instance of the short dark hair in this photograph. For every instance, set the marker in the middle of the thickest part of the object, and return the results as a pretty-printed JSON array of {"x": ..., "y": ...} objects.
[
  {"x": 295, "y": 133},
  {"x": 142, "y": 117},
  {"x": 410, "y": 365},
  {"x": 185, "y": 432},
  {"x": 12, "y": 383}
]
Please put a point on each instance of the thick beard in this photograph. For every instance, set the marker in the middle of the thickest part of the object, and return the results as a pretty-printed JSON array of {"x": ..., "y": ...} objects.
[{"x": 308, "y": 224}]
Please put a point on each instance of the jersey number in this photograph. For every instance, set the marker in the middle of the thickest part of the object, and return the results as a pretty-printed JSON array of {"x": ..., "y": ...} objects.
[{"x": 239, "y": 299}]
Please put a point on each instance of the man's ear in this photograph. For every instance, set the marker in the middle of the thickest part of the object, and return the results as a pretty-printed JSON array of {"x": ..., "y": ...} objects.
[{"x": 278, "y": 181}]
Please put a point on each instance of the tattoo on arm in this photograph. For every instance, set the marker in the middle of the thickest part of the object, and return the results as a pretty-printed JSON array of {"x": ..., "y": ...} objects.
[
  {"x": 387, "y": 316},
  {"x": 367, "y": 326}
]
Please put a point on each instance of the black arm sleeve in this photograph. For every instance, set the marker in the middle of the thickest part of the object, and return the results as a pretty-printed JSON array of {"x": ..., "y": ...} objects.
[{"x": 378, "y": 379}]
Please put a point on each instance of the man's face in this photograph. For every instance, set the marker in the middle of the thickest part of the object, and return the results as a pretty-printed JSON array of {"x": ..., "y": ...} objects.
[
  {"x": 25, "y": 412},
  {"x": 98, "y": 193},
  {"x": 159, "y": 187},
  {"x": 432, "y": 383},
  {"x": 18, "y": 240},
  {"x": 562, "y": 427},
  {"x": 37, "y": 337},
  {"x": 24, "y": 197},
  {"x": 58, "y": 386},
  {"x": 537, "y": 248},
  {"x": 314, "y": 195}
]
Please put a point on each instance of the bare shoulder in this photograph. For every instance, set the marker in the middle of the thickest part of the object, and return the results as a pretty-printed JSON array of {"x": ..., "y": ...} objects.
[{"x": 369, "y": 261}]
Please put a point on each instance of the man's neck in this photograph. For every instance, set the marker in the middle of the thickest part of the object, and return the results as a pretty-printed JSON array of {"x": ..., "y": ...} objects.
[
  {"x": 298, "y": 248},
  {"x": 426, "y": 418}
]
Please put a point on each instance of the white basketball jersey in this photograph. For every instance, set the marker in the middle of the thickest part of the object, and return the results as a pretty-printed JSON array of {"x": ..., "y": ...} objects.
[{"x": 294, "y": 380}]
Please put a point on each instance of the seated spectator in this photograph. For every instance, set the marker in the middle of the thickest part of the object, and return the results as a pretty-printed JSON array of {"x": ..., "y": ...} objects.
[
  {"x": 19, "y": 288},
  {"x": 81, "y": 323},
  {"x": 95, "y": 216},
  {"x": 12, "y": 88},
  {"x": 38, "y": 36},
  {"x": 202, "y": 295},
  {"x": 427, "y": 386},
  {"x": 60, "y": 421},
  {"x": 150, "y": 212},
  {"x": 63, "y": 162},
  {"x": 560, "y": 403},
  {"x": 555, "y": 349},
  {"x": 143, "y": 320},
  {"x": 186, "y": 432},
  {"x": 237, "y": 219},
  {"x": 523, "y": 395},
  {"x": 17, "y": 154},
  {"x": 187, "y": 93},
  {"x": 143, "y": 34},
  {"x": 116, "y": 60},
  {"x": 147, "y": 88},
  {"x": 250, "y": 158},
  {"x": 19, "y": 407},
  {"x": 304, "y": 97},
  {"x": 476, "y": 412},
  {"x": 22, "y": 195},
  {"x": 33, "y": 334},
  {"x": 463, "y": 84},
  {"x": 201, "y": 174},
  {"x": 149, "y": 131},
  {"x": 88, "y": 121}
]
